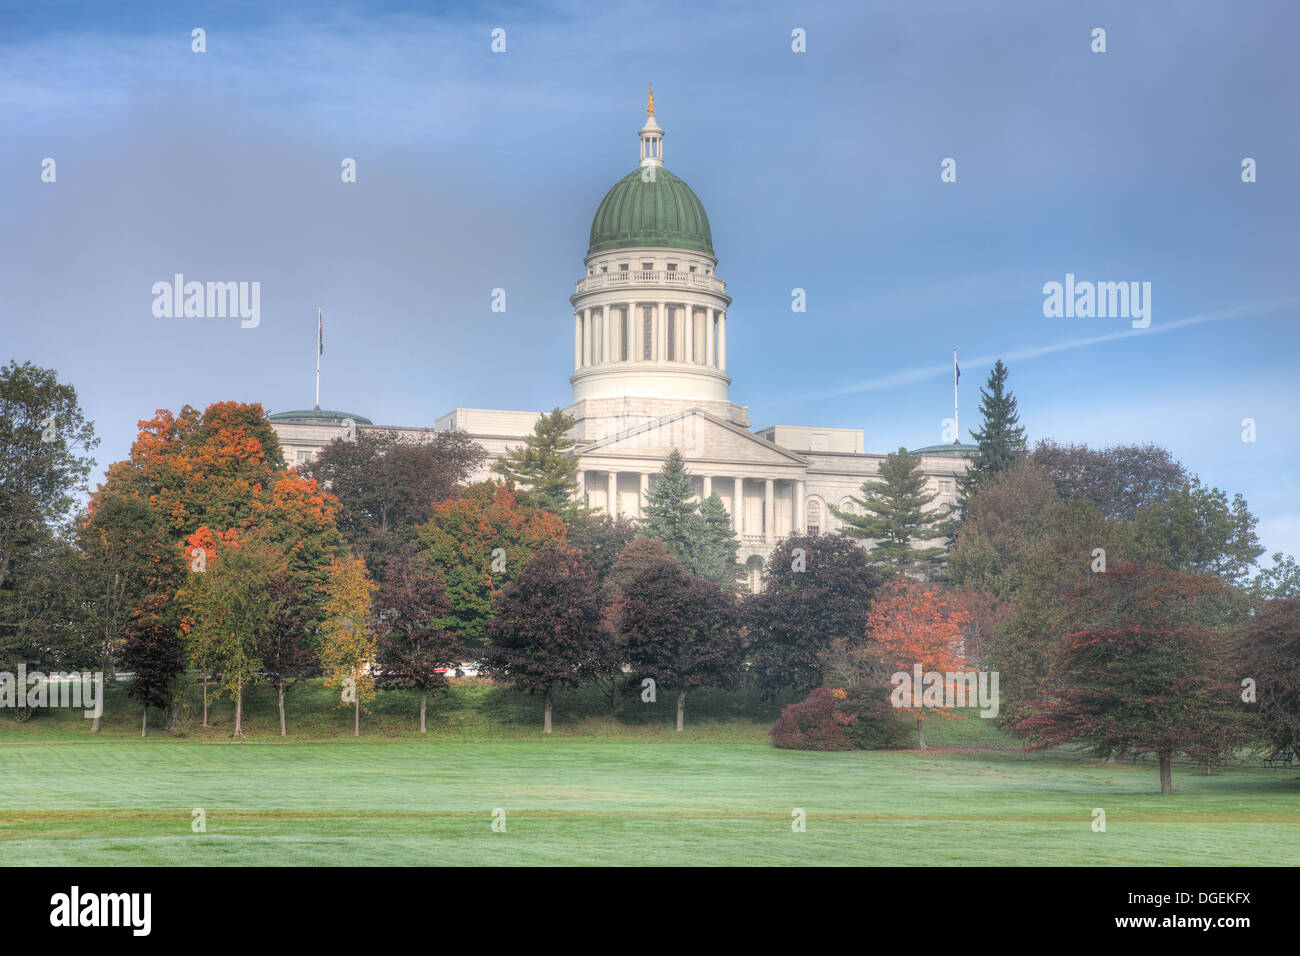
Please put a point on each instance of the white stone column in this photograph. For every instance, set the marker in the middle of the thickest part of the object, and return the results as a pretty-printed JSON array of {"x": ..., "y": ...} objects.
[
  {"x": 577, "y": 341},
  {"x": 708, "y": 487},
  {"x": 586, "y": 338},
  {"x": 708, "y": 337},
  {"x": 611, "y": 507},
  {"x": 738, "y": 506},
  {"x": 645, "y": 494},
  {"x": 769, "y": 511},
  {"x": 582, "y": 486},
  {"x": 663, "y": 331},
  {"x": 722, "y": 341},
  {"x": 606, "y": 346},
  {"x": 800, "y": 523}
]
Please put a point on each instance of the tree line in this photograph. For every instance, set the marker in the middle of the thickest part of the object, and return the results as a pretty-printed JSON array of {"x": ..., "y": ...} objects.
[{"x": 1118, "y": 597}]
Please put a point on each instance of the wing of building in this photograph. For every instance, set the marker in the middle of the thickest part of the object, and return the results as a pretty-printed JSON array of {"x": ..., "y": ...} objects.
[{"x": 650, "y": 374}]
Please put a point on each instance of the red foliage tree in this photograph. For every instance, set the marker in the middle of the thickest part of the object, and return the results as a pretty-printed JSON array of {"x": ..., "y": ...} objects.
[
  {"x": 413, "y": 650},
  {"x": 680, "y": 630},
  {"x": 1141, "y": 669},
  {"x": 546, "y": 629}
]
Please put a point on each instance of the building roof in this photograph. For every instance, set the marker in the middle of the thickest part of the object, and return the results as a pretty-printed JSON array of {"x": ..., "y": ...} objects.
[
  {"x": 954, "y": 450},
  {"x": 644, "y": 211},
  {"x": 316, "y": 416}
]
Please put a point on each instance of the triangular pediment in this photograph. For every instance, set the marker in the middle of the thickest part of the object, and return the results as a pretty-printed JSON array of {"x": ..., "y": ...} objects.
[{"x": 698, "y": 435}]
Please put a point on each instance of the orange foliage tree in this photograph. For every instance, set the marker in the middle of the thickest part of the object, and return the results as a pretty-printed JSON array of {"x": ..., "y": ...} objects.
[{"x": 913, "y": 625}]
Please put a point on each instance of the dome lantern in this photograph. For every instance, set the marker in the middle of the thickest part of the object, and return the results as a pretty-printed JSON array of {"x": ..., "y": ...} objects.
[{"x": 652, "y": 136}]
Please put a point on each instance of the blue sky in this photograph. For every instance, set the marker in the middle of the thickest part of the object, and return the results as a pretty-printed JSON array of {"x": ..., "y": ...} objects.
[{"x": 819, "y": 171}]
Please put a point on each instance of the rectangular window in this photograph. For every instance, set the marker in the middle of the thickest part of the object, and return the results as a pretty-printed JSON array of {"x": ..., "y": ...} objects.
[
  {"x": 647, "y": 335},
  {"x": 623, "y": 323},
  {"x": 647, "y": 266},
  {"x": 672, "y": 333},
  {"x": 622, "y": 267},
  {"x": 672, "y": 267}
]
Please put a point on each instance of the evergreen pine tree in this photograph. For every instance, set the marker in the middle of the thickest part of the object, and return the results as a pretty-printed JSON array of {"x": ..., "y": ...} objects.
[
  {"x": 716, "y": 547},
  {"x": 542, "y": 472},
  {"x": 893, "y": 516},
  {"x": 670, "y": 514},
  {"x": 1001, "y": 440}
]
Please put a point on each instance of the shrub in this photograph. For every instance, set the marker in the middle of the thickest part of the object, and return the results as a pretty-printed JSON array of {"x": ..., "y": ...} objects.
[{"x": 858, "y": 717}]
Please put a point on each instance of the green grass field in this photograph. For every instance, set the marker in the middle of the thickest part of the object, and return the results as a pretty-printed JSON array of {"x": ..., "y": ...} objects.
[{"x": 619, "y": 788}]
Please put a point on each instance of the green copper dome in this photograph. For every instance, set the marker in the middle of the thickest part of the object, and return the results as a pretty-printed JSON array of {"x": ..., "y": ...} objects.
[{"x": 663, "y": 212}]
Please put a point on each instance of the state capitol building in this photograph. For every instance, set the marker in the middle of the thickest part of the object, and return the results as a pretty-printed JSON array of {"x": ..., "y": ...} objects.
[{"x": 650, "y": 373}]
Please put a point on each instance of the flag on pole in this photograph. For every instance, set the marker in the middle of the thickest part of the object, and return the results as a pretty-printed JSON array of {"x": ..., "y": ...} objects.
[{"x": 957, "y": 369}]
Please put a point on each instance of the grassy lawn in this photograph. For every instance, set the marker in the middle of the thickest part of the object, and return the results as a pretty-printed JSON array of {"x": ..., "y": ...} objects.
[{"x": 605, "y": 788}]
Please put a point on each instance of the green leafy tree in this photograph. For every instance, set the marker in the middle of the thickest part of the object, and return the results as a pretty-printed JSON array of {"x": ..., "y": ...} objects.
[
  {"x": 229, "y": 608},
  {"x": 1010, "y": 515},
  {"x": 543, "y": 472},
  {"x": 154, "y": 651},
  {"x": 1000, "y": 438},
  {"x": 600, "y": 537},
  {"x": 479, "y": 541},
  {"x": 1282, "y": 580},
  {"x": 894, "y": 517},
  {"x": 1119, "y": 479},
  {"x": 44, "y": 436},
  {"x": 347, "y": 644},
  {"x": 1195, "y": 529}
]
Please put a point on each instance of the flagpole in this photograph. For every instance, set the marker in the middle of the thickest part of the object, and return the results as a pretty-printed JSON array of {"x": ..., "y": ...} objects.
[
  {"x": 956, "y": 422},
  {"x": 318, "y": 351}
]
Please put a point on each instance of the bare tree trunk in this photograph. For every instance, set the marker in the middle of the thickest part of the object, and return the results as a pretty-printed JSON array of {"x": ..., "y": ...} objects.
[
  {"x": 681, "y": 709},
  {"x": 920, "y": 734},
  {"x": 424, "y": 699},
  {"x": 94, "y": 726},
  {"x": 356, "y": 716},
  {"x": 239, "y": 710},
  {"x": 144, "y": 720},
  {"x": 205, "y": 700},
  {"x": 282, "y": 727},
  {"x": 1166, "y": 774},
  {"x": 546, "y": 720}
]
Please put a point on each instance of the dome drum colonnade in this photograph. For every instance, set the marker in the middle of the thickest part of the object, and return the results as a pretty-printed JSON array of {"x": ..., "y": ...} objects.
[{"x": 650, "y": 321}]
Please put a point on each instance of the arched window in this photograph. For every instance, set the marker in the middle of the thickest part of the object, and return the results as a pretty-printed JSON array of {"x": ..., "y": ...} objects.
[{"x": 813, "y": 516}]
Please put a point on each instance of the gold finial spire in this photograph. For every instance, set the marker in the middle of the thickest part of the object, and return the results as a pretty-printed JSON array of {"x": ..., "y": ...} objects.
[{"x": 651, "y": 108}]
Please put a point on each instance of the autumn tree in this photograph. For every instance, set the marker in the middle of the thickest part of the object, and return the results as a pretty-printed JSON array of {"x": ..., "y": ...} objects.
[
  {"x": 681, "y": 631},
  {"x": 547, "y": 627},
  {"x": 347, "y": 645},
  {"x": 412, "y": 650},
  {"x": 816, "y": 588},
  {"x": 479, "y": 541},
  {"x": 387, "y": 484},
  {"x": 1270, "y": 656},
  {"x": 911, "y": 625},
  {"x": 892, "y": 513},
  {"x": 1000, "y": 439},
  {"x": 1139, "y": 671},
  {"x": 543, "y": 471}
]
